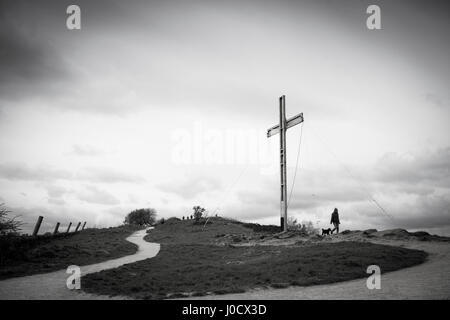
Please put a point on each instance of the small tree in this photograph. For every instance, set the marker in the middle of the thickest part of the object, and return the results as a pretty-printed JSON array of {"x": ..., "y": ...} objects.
[
  {"x": 141, "y": 217},
  {"x": 198, "y": 213},
  {"x": 8, "y": 225}
]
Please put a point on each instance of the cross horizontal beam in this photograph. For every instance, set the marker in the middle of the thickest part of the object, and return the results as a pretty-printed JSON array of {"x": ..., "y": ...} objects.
[{"x": 289, "y": 123}]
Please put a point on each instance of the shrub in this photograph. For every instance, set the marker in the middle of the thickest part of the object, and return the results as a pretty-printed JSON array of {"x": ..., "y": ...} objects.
[
  {"x": 141, "y": 217},
  {"x": 8, "y": 225},
  {"x": 293, "y": 224},
  {"x": 306, "y": 227},
  {"x": 198, "y": 213}
]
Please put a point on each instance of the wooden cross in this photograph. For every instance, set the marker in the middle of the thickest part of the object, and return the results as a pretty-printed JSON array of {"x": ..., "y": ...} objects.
[{"x": 281, "y": 128}]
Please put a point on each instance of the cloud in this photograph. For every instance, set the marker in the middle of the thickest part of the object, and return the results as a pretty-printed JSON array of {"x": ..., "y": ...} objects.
[
  {"x": 56, "y": 191},
  {"x": 92, "y": 194},
  {"x": 313, "y": 188},
  {"x": 120, "y": 211},
  {"x": 410, "y": 212},
  {"x": 427, "y": 169},
  {"x": 163, "y": 63},
  {"x": 20, "y": 171},
  {"x": 56, "y": 194},
  {"x": 38, "y": 63},
  {"x": 31, "y": 66},
  {"x": 56, "y": 201},
  {"x": 437, "y": 100},
  {"x": 86, "y": 151},
  {"x": 191, "y": 187},
  {"x": 107, "y": 175}
]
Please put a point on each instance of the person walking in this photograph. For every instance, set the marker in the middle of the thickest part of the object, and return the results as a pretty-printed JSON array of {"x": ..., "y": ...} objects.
[{"x": 335, "y": 220}]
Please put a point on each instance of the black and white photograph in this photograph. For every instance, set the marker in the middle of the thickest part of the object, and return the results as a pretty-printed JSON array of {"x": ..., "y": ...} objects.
[{"x": 232, "y": 150}]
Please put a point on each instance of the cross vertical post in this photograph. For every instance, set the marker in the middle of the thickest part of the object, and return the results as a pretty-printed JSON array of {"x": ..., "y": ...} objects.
[
  {"x": 283, "y": 180},
  {"x": 281, "y": 128}
]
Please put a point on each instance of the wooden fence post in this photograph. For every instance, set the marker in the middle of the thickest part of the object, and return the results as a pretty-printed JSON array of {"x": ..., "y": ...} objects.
[
  {"x": 56, "y": 228},
  {"x": 38, "y": 225},
  {"x": 68, "y": 228},
  {"x": 84, "y": 224},
  {"x": 78, "y": 226}
]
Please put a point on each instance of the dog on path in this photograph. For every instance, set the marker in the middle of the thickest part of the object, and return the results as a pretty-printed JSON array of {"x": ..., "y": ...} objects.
[{"x": 326, "y": 231}]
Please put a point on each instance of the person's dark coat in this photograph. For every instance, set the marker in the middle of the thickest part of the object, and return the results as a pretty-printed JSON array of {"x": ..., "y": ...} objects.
[{"x": 335, "y": 217}]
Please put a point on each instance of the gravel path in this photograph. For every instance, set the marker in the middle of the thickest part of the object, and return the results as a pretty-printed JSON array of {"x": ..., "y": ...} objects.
[
  {"x": 53, "y": 285},
  {"x": 430, "y": 280}
]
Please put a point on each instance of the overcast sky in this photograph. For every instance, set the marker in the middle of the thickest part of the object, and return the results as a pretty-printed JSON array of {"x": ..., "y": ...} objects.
[{"x": 165, "y": 104}]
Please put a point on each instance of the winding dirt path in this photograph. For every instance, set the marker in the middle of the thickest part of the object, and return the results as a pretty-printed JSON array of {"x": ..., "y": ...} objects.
[
  {"x": 430, "y": 280},
  {"x": 53, "y": 285}
]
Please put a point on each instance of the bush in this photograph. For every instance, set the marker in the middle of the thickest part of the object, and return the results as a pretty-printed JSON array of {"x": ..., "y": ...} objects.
[
  {"x": 8, "y": 225},
  {"x": 306, "y": 227},
  {"x": 293, "y": 224},
  {"x": 198, "y": 213},
  {"x": 141, "y": 217}
]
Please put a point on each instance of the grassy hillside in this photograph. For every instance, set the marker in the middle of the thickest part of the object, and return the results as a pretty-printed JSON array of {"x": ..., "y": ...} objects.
[
  {"x": 25, "y": 255},
  {"x": 195, "y": 260},
  {"x": 175, "y": 231}
]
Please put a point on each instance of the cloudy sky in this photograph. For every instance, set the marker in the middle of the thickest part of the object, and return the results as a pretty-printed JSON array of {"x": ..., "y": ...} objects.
[{"x": 165, "y": 104}]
